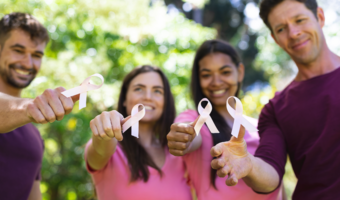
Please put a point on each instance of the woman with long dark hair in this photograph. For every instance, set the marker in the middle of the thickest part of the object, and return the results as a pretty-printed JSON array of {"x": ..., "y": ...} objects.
[
  {"x": 125, "y": 167},
  {"x": 217, "y": 74}
]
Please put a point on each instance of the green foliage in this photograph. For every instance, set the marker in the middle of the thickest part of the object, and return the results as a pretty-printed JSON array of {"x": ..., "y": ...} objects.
[{"x": 110, "y": 38}]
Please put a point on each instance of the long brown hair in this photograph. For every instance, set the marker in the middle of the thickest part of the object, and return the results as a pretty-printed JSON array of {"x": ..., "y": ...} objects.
[
  {"x": 208, "y": 47},
  {"x": 138, "y": 158}
]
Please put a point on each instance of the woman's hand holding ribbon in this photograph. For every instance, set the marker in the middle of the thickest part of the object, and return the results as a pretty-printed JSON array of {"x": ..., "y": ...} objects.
[
  {"x": 180, "y": 137},
  {"x": 108, "y": 125}
]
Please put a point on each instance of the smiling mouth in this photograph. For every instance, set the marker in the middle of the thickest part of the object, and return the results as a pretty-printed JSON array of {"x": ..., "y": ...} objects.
[
  {"x": 22, "y": 72},
  {"x": 299, "y": 45},
  {"x": 218, "y": 93},
  {"x": 148, "y": 108}
]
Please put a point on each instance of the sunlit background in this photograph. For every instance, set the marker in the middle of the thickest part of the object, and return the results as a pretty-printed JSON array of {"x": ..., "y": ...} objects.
[{"x": 111, "y": 37}]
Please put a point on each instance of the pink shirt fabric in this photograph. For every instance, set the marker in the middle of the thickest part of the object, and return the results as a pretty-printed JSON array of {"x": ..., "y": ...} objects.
[
  {"x": 113, "y": 181},
  {"x": 198, "y": 166}
]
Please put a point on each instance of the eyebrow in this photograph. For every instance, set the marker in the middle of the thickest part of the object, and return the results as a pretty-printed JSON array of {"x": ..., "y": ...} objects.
[
  {"x": 296, "y": 16},
  {"x": 23, "y": 47},
  {"x": 141, "y": 85},
  {"x": 221, "y": 68}
]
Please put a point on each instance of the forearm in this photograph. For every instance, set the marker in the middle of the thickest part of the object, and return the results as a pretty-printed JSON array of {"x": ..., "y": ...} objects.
[
  {"x": 35, "y": 193},
  {"x": 13, "y": 112},
  {"x": 100, "y": 151},
  {"x": 263, "y": 177},
  {"x": 104, "y": 148}
]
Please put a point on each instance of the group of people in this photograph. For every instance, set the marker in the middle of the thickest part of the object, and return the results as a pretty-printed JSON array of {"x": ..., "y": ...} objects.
[{"x": 169, "y": 158}]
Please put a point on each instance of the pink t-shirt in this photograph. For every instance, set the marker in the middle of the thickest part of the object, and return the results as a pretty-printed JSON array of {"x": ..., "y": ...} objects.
[
  {"x": 113, "y": 181},
  {"x": 198, "y": 166}
]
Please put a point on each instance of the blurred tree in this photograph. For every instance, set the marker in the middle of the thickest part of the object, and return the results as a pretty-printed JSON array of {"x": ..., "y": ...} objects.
[
  {"x": 231, "y": 20},
  {"x": 111, "y": 38}
]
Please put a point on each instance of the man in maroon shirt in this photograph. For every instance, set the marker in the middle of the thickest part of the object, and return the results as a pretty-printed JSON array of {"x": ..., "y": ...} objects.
[
  {"x": 22, "y": 43},
  {"x": 302, "y": 121}
]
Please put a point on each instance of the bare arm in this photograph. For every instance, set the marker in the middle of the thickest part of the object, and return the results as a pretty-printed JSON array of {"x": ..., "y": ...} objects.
[
  {"x": 13, "y": 112},
  {"x": 107, "y": 131},
  {"x": 234, "y": 160},
  {"x": 47, "y": 107},
  {"x": 35, "y": 193}
]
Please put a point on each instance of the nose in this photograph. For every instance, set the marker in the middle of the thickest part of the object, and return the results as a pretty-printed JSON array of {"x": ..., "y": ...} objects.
[
  {"x": 294, "y": 31},
  {"x": 216, "y": 81},
  {"x": 148, "y": 95},
  {"x": 27, "y": 61}
]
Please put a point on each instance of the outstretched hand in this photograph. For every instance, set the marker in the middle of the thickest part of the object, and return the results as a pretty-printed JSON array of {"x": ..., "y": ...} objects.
[
  {"x": 50, "y": 106},
  {"x": 232, "y": 159},
  {"x": 108, "y": 125}
]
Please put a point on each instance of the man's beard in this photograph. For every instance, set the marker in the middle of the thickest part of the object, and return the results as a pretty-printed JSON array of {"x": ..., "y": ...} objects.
[{"x": 7, "y": 76}]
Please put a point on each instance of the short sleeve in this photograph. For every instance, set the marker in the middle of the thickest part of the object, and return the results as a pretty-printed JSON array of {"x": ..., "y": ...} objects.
[
  {"x": 272, "y": 148},
  {"x": 186, "y": 116}
]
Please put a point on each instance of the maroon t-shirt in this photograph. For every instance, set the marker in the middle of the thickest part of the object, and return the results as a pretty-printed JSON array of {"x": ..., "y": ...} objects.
[
  {"x": 304, "y": 121},
  {"x": 21, "y": 152}
]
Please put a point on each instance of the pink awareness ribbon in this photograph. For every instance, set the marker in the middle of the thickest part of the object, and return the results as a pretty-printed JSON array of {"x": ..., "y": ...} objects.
[
  {"x": 133, "y": 121},
  {"x": 205, "y": 118},
  {"x": 239, "y": 119},
  {"x": 82, "y": 90}
]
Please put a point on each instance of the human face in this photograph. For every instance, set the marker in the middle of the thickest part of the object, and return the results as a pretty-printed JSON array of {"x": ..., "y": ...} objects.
[
  {"x": 147, "y": 89},
  {"x": 219, "y": 77},
  {"x": 20, "y": 59},
  {"x": 296, "y": 30}
]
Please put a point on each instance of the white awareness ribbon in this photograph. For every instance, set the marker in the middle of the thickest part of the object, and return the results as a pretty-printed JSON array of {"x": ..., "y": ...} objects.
[
  {"x": 82, "y": 90},
  {"x": 205, "y": 118},
  {"x": 133, "y": 121},
  {"x": 239, "y": 119}
]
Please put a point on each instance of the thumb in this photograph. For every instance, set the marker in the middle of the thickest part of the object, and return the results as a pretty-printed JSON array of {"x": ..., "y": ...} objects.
[
  {"x": 217, "y": 150},
  {"x": 122, "y": 121},
  {"x": 75, "y": 98},
  {"x": 193, "y": 124},
  {"x": 231, "y": 180},
  {"x": 240, "y": 137}
]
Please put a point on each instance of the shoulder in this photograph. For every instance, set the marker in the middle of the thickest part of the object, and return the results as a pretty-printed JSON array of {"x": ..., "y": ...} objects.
[{"x": 188, "y": 115}]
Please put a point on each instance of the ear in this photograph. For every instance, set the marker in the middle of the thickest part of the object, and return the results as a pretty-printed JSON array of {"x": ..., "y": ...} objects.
[
  {"x": 321, "y": 17},
  {"x": 240, "y": 71},
  {"x": 124, "y": 103}
]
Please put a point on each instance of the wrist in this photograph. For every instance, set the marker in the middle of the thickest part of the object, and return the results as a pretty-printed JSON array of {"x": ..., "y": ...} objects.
[
  {"x": 22, "y": 107},
  {"x": 251, "y": 164}
]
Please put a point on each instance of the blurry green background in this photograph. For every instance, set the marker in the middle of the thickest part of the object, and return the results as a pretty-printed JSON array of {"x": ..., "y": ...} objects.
[{"x": 111, "y": 37}]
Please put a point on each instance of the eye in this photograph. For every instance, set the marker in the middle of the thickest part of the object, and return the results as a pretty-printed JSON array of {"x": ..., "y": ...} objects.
[
  {"x": 137, "y": 89},
  {"x": 37, "y": 55},
  {"x": 205, "y": 75},
  {"x": 18, "y": 51},
  {"x": 159, "y": 91},
  {"x": 279, "y": 30},
  {"x": 299, "y": 20},
  {"x": 226, "y": 72}
]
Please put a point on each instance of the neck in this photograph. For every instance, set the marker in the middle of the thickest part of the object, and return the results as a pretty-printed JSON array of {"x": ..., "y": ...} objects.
[
  {"x": 8, "y": 89},
  {"x": 326, "y": 62},
  {"x": 146, "y": 134}
]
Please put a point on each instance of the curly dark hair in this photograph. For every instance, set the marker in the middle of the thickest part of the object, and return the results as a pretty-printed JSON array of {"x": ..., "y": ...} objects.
[
  {"x": 267, "y": 5},
  {"x": 25, "y": 22}
]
